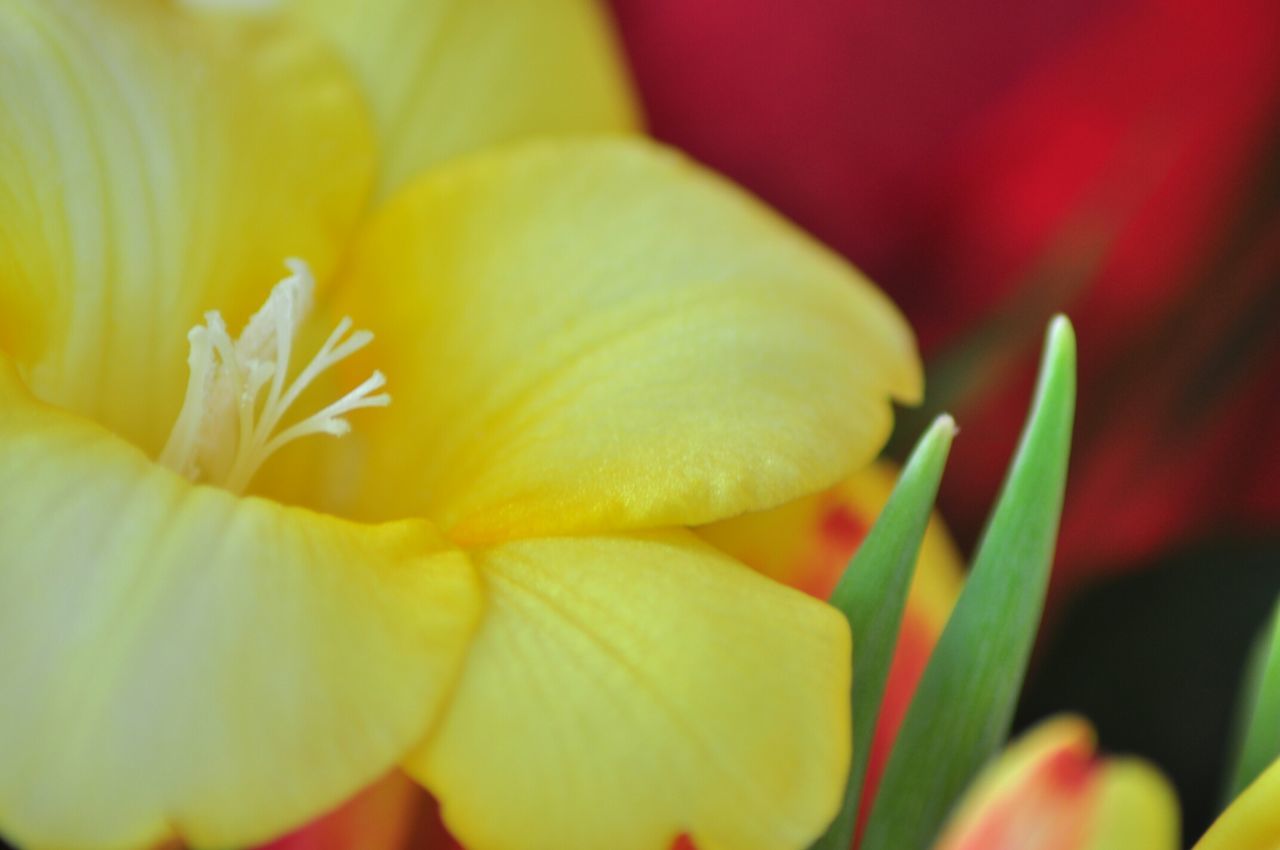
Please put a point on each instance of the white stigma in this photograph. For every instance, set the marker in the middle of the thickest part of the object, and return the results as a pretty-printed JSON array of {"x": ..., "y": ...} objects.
[{"x": 227, "y": 429}]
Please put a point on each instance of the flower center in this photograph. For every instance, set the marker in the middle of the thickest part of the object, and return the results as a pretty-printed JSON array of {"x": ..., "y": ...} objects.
[{"x": 239, "y": 390}]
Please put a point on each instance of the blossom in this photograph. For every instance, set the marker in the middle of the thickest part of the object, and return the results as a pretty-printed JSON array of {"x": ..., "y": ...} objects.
[{"x": 217, "y": 621}]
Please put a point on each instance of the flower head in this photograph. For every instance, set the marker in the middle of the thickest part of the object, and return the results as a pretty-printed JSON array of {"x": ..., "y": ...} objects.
[{"x": 217, "y": 621}]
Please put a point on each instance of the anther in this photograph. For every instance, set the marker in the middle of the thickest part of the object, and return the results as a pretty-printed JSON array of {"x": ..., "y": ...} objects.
[{"x": 226, "y": 429}]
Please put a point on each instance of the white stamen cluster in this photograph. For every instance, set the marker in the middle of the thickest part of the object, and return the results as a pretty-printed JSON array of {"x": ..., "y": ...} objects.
[{"x": 227, "y": 429}]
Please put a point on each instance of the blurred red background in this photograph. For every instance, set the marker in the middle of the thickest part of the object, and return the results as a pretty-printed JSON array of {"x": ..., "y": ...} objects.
[{"x": 988, "y": 162}]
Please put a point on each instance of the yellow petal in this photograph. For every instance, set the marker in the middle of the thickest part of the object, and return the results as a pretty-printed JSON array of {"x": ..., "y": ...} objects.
[
  {"x": 624, "y": 690},
  {"x": 1136, "y": 809},
  {"x": 447, "y": 77},
  {"x": 154, "y": 165},
  {"x": 1252, "y": 821},
  {"x": 1048, "y": 791},
  {"x": 600, "y": 336},
  {"x": 177, "y": 660}
]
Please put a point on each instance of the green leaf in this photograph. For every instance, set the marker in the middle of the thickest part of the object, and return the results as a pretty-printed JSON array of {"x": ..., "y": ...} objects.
[
  {"x": 1260, "y": 709},
  {"x": 872, "y": 594},
  {"x": 963, "y": 706}
]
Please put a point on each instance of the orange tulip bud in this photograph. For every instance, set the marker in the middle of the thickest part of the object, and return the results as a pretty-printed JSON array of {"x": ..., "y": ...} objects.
[{"x": 1050, "y": 791}]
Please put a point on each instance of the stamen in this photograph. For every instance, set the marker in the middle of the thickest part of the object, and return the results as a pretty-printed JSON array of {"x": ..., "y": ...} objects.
[{"x": 226, "y": 430}]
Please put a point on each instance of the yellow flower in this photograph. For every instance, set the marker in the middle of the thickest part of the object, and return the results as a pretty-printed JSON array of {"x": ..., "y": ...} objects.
[{"x": 215, "y": 625}]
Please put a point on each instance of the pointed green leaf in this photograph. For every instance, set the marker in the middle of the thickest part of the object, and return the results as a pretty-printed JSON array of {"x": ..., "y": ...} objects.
[
  {"x": 964, "y": 703},
  {"x": 872, "y": 594},
  {"x": 1260, "y": 709}
]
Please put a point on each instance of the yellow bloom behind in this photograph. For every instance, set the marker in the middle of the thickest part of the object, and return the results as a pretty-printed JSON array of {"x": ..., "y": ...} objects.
[
  {"x": 591, "y": 346},
  {"x": 1252, "y": 820}
]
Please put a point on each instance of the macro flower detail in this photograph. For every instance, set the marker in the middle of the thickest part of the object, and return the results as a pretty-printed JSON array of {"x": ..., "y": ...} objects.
[{"x": 217, "y": 622}]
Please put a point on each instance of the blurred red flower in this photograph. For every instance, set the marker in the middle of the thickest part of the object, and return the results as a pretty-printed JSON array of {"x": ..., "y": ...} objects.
[{"x": 991, "y": 161}]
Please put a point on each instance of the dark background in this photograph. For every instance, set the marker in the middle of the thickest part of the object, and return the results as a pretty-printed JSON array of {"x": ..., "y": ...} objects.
[{"x": 1155, "y": 660}]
